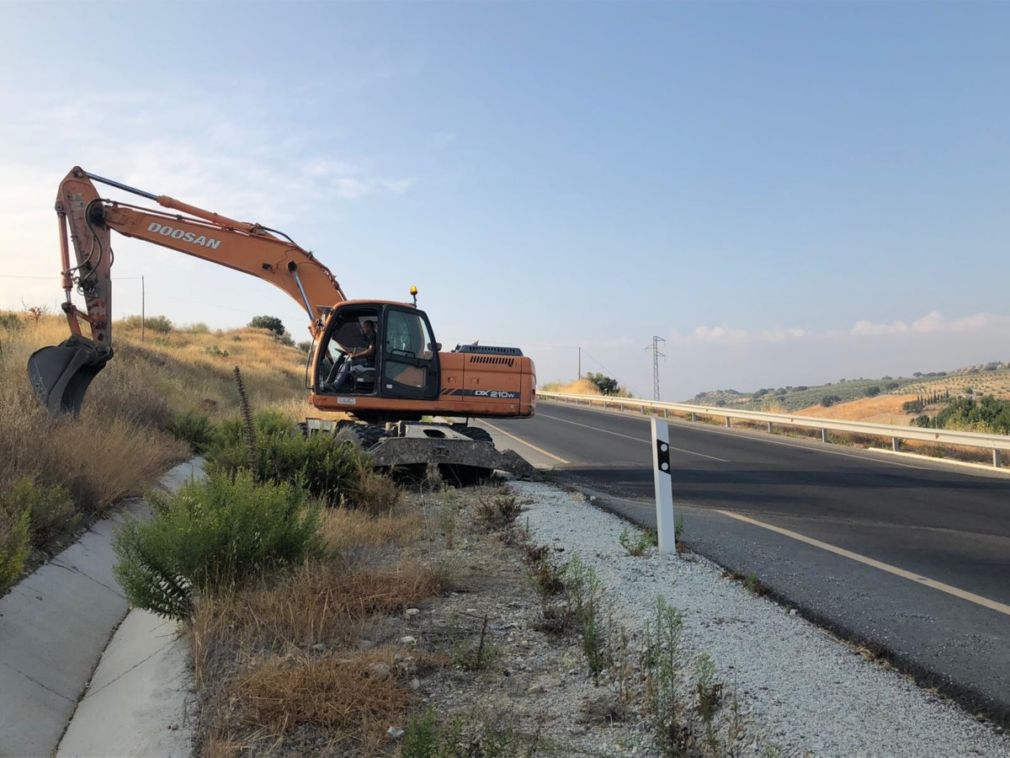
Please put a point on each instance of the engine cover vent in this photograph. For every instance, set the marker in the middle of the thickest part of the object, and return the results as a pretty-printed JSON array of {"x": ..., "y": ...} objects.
[
  {"x": 487, "y": 350},
  {"x": 495, "y": 360}
]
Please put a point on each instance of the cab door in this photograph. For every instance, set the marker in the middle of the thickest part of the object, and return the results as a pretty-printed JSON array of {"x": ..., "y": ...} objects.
[{"x": 409, "y": 356}]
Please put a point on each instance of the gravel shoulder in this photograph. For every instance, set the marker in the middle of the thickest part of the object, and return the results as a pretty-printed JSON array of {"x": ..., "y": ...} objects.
[{"x": 800, "y": 690}]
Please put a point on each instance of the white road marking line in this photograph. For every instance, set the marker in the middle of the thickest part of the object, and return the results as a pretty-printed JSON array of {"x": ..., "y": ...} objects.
[
  {"x": 971, "y": 597},
  {"x": 700, "y": 426},
  {"x": 530, "y": 445},
  {"x": 629, "y": 437}
]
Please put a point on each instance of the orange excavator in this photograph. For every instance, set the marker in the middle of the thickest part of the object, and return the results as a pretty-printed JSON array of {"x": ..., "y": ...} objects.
[{"x": 375, "y": 360}]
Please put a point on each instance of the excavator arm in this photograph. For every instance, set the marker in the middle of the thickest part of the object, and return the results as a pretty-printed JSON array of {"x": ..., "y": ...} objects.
[{"x": 61, "y": 374}]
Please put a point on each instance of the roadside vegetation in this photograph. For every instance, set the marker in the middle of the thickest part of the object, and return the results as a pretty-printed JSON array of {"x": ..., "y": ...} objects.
[
  {"x": 58, "y": 474},
  {"x": 589, "y": 384}
]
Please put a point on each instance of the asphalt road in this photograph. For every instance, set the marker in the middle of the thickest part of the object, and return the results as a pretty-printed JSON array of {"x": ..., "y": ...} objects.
[{"x": 910, "y": 559}]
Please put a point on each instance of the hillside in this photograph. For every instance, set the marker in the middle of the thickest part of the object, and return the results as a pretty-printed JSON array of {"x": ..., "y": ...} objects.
[
  {"x": 876, "y": 400},
  {"x": 72, "y": 469}
]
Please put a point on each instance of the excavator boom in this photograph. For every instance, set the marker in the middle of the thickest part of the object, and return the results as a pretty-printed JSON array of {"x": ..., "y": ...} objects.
[{"x": 61, "y": 374}]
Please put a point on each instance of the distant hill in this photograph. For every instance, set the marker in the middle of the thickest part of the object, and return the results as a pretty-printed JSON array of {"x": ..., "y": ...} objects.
[{"x": 868, "y": 399}]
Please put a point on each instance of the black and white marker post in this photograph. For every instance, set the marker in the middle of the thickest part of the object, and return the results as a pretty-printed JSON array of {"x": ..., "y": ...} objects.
[{"x": 665, "y": 525}]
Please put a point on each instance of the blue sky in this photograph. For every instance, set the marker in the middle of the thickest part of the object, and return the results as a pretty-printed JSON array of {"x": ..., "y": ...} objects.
[{"x": 789, "y": 193}]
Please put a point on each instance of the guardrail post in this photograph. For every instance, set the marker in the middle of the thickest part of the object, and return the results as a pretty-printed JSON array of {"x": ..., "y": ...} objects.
[
  {"x": 693, "y": 417},
  {"x": 728, "y": 423},
  {"x": 895, "y": 444},
  {"x": 769, "y": 427},
  {"x": 995, "y": 457},
  {"x": 666, "y": 529},
  {"x": 824, "y": 435},
  {"x": 666, "y": 413}
]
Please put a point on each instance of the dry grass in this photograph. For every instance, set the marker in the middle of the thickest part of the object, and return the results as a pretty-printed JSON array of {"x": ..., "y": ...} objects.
[
  {"x": 277, "y": 663},
  {"x": 578, "y": 387},
  {"x": 882, "y": 409},
  {"x": 318, "y": 603},
  {"x": 119, "y": 445},
  {"x": 352, "y": 699},
  {"x": 349, "y": 531}
]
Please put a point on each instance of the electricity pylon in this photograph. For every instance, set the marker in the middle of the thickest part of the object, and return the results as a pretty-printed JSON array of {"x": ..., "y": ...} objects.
[{"x": 656, "y": 355}]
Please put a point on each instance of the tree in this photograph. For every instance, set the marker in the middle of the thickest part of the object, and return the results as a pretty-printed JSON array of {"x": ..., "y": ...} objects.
[
  {"x": 828, "y": 400},
  {"x": 270, "y": 323},
  {"x": 605, "y": 384},
  {"x": 872, "y": 391}
]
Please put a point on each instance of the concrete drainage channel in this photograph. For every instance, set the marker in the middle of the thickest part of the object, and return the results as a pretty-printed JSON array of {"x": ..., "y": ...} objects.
[{"x": 81, "y": 673}]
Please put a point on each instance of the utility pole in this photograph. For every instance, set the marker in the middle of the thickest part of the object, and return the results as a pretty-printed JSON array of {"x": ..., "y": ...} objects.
[
  {"x": 656, "y": 355},
  {"x": 143, "y": 308}
]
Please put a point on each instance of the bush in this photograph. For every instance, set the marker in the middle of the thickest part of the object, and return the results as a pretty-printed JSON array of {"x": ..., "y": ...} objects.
[
  {"x": 328, "y": 469},
  {"x": 872, "y": 391},
  {"x": 160, "y": 324},
  {"x": 270, "y": 323},
  {"x": 10, "y": 322},
  {"x": 605, "y": 384},
  {"x": 50, "y": 510},
  {"x": 211, "y": 535},
  {"x": 194, "y": 428},
  {"x": 986, "y": 414},
  {"x": 15, "y": 542},
  {"x": 828, "y": 400}
]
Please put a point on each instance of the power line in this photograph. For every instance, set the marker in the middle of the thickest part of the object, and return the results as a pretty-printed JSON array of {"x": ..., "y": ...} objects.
[{"x": 54, "y": 277}]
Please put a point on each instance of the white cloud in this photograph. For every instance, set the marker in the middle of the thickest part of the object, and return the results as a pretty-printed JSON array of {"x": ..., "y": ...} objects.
[
  {"x": 933, "y": 322},
  {"x": 726, "y": 335}
]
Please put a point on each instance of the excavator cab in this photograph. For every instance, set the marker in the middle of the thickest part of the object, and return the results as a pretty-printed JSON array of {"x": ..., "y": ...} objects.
[{"x": 404, "y": 364}]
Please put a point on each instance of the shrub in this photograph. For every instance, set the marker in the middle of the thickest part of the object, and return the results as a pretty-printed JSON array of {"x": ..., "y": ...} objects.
[
  {"x": 605, "y": 384},
  {"x": 270, "y": 323},
  {"x": 638, "y": 543},
  {"x": 213, "y": 534},
  {"x": 828, "y": 400},
  {"x": 328, "y": 469},
  {"x": 14, "y": 542},
  {"x": 194, "y": 428},
  {"x": 50, "y": 510},
  {"x": 10, "y": 322},
  {"x": 872, "y": 391},
  {"x": 160, "y": 324},
  {"x": 986, "y": 414},
  {"x": 498, "y": 512}
]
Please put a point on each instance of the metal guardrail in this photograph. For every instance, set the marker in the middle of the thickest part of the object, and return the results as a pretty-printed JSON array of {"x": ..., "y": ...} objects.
[{"x": 994, "y": 442}]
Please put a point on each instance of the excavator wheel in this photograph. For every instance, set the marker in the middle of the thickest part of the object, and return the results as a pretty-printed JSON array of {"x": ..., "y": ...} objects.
[
  {"x": 474, "y": 432},
  {"x": 365, "y": 436}
]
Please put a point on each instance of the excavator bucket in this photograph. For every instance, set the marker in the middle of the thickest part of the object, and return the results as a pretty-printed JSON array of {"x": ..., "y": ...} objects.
[{"x": 60, "y": 375}]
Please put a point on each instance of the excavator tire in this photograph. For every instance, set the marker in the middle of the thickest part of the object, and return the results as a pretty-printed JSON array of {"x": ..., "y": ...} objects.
[
  {"x": 473, "y": 432},
  {"x": 365, "y": 436}
]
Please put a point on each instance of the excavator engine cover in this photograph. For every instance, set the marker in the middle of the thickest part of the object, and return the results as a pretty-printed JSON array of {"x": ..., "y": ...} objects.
[{"x": 60, "y": 375}]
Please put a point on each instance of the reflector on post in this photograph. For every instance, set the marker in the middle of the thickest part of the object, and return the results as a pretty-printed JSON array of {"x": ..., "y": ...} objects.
[{"x": 666, "y": 529}]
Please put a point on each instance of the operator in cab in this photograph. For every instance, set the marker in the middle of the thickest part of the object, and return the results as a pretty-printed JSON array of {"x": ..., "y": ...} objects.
[{"x": 359, "y": 360}]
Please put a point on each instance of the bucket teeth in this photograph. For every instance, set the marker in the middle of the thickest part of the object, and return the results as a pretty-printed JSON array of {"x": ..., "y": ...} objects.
[{"x": 60, "y": 375}]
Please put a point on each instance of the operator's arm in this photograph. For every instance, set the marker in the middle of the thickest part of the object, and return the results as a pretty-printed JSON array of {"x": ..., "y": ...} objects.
[{"x": 368, "y": 351}]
